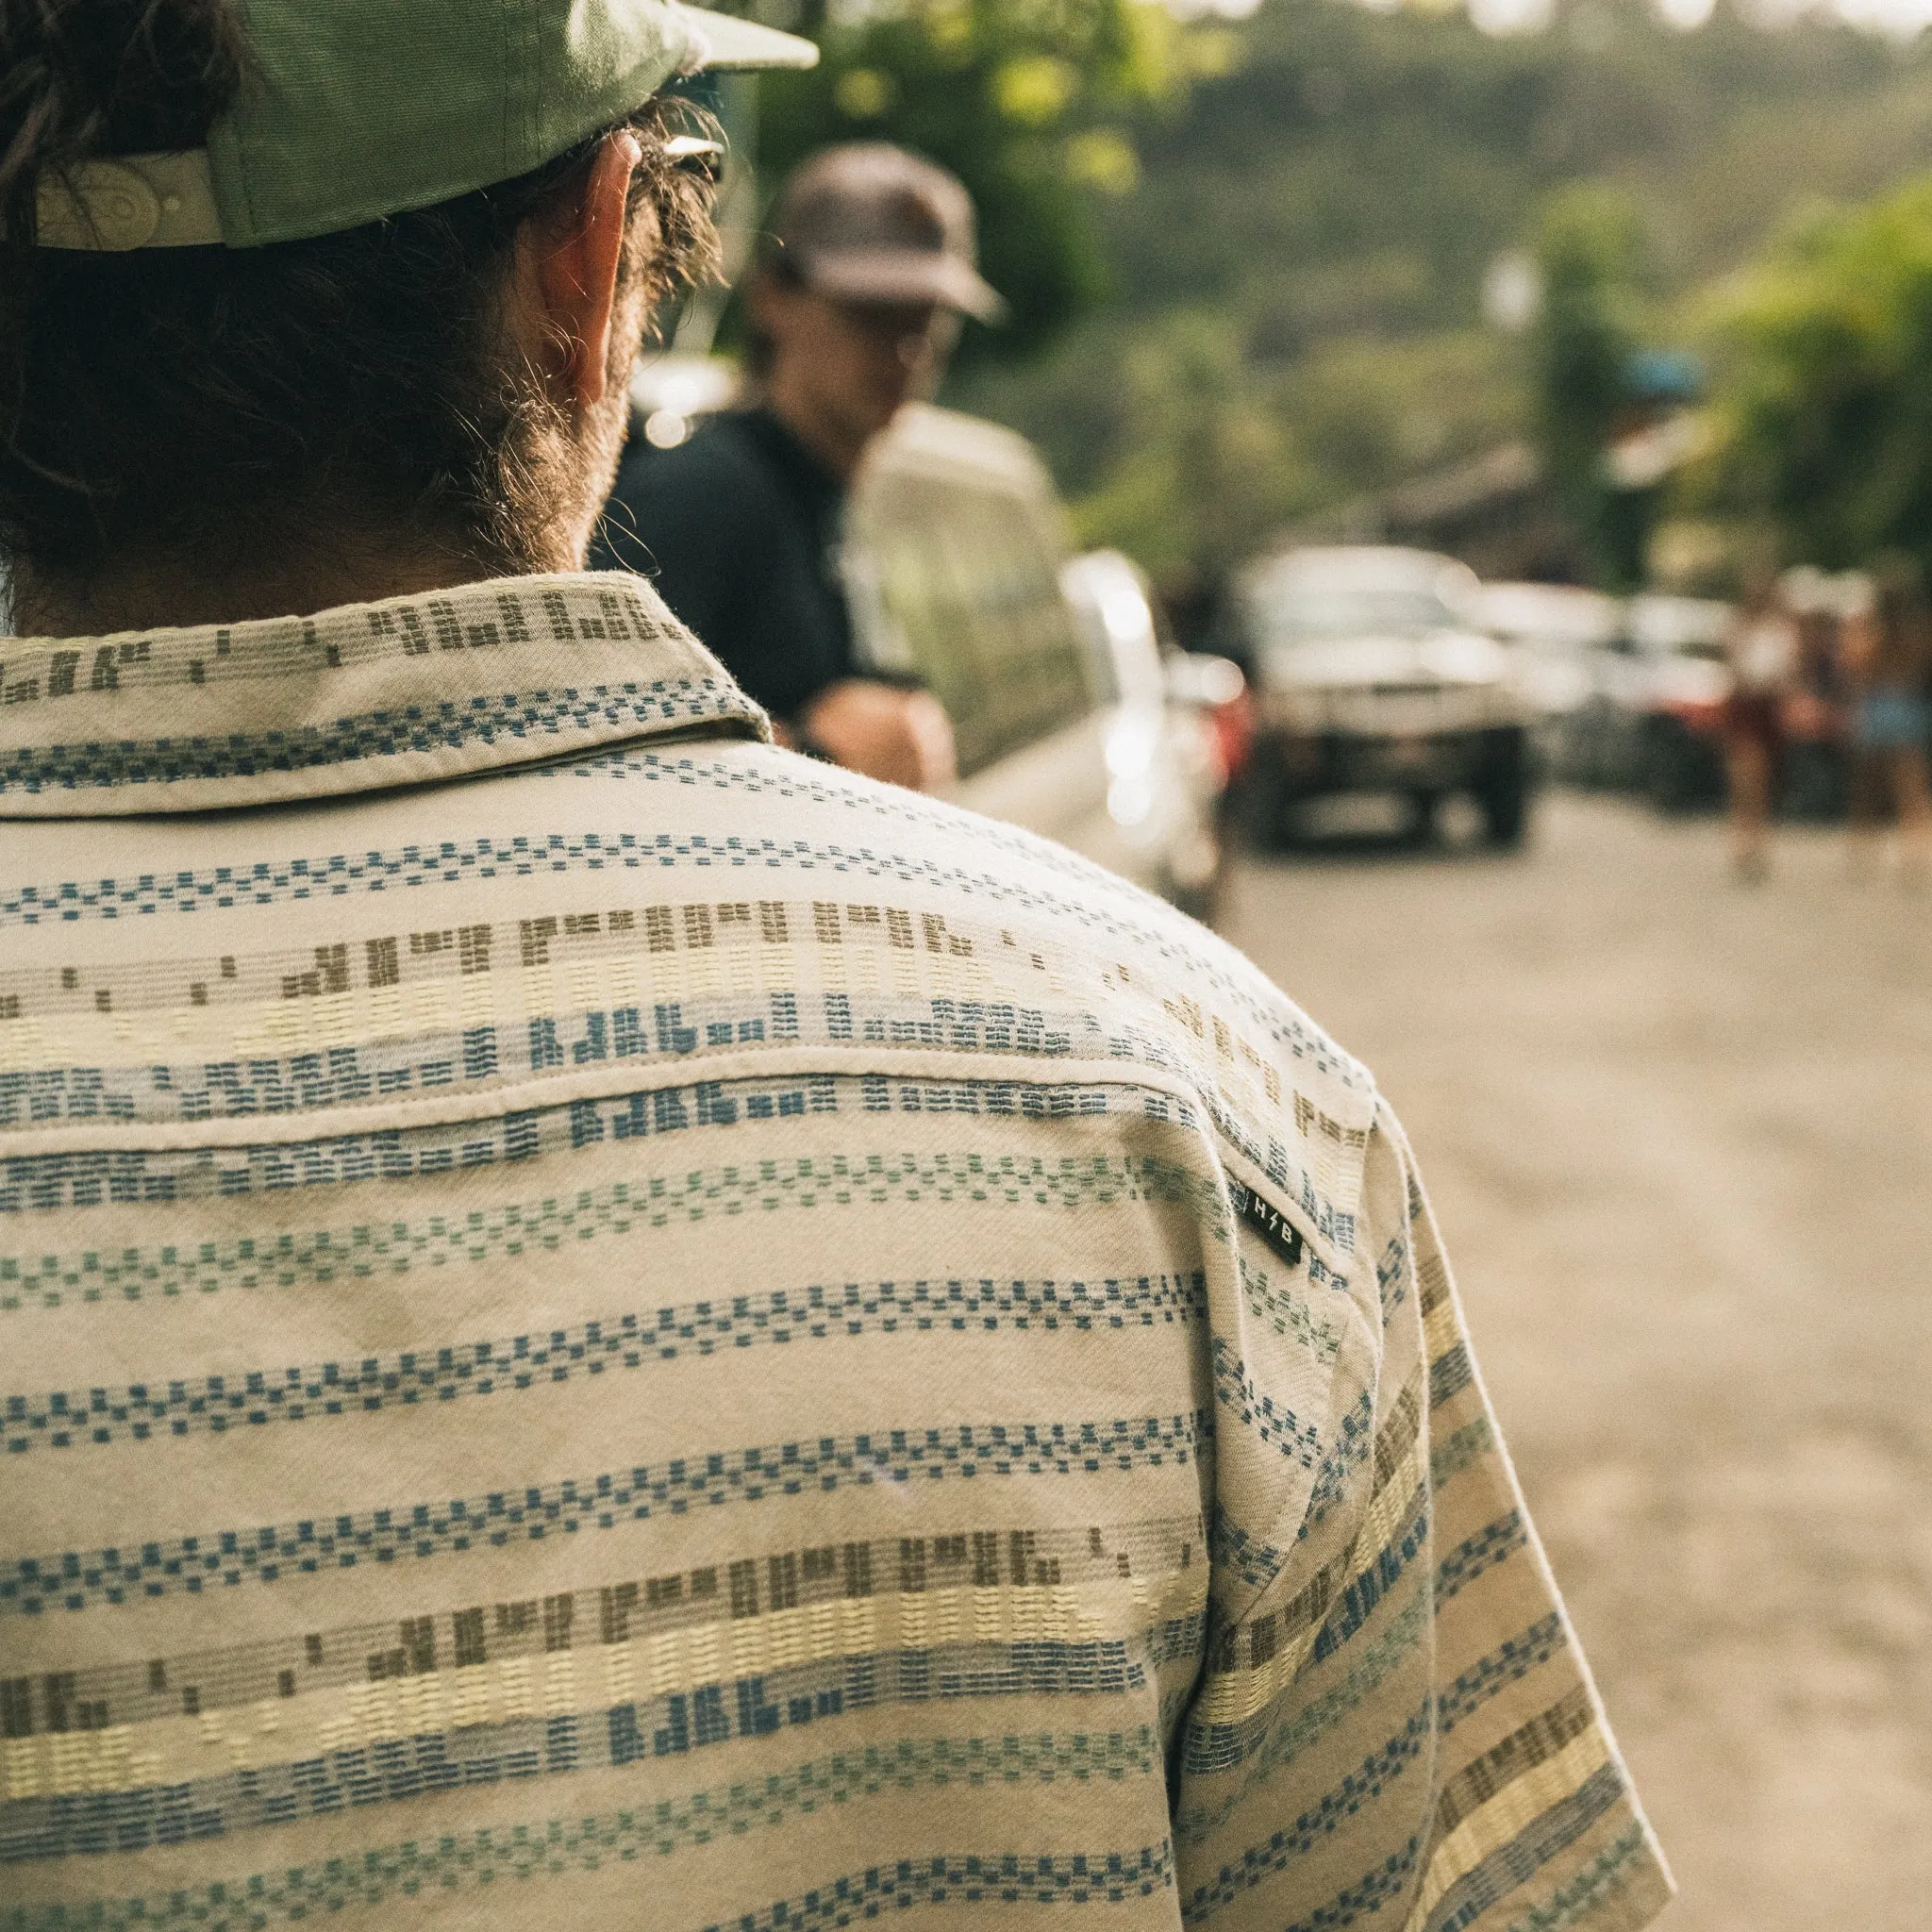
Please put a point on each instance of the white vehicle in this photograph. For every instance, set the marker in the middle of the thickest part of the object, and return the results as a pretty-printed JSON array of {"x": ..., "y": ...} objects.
[
  {"x": 1650, "y": 722},
  {"x": 954, "y": 562},
  {"x": 671, "y": 394},
  {"x": 953, "y": 558},
  {"x": 1373, "y": 675},
  {"x": 1554, "y": 633},
  {"x": 1180, "y": 726}
]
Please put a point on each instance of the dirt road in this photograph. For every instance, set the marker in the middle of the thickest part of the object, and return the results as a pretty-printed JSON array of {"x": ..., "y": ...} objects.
[{"x": 1679, "y": 1135}]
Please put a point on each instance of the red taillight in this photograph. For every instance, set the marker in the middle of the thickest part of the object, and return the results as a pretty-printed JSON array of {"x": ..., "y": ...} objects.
[
  {"x": 1231, "y": 726},
  {"x": 1699, "y": 717}
]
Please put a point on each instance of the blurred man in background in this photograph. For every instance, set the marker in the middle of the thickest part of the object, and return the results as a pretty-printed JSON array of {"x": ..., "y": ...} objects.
[{"x": 854, "y": 308}]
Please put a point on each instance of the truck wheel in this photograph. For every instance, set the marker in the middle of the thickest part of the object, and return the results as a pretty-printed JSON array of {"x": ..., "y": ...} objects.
[
  {"x": 1670, "y": 778},
  {"x": 1201, "y": 902},
  {"x": 1418, "y": 825},
  {"x": 1506, "y": 789},
  {"x": 1262, "y": 808},
  {"x": 1506, "y": 815}
]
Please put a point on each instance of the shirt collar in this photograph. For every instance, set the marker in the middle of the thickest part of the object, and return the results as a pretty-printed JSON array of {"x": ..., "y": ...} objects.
[{"x": 408, "y": 692}]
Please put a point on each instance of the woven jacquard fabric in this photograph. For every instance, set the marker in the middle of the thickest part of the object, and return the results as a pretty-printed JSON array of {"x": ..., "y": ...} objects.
[{"x": 607, "y": 1326}]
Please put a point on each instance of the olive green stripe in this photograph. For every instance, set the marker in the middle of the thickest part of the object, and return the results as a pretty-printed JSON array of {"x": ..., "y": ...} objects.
[
  {"x": 1589, "y": 1889},
  {"x": 366, "y": 1250},
  {"x": 1468, "y": 1444},
  {"x": 1372, "y": 1667},
  {"x": 559, "y": 1847}
]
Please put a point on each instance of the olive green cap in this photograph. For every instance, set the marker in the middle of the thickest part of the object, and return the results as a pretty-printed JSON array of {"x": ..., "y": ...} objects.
[{"x": 352, "y": 109}]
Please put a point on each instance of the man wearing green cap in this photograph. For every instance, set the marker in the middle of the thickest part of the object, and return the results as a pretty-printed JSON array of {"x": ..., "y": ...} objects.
[{"x": 602, "y": 1324}]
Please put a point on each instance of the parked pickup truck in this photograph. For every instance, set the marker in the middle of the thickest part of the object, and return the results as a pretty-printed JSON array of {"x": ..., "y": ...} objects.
[{"x": 1371, "y": 675}]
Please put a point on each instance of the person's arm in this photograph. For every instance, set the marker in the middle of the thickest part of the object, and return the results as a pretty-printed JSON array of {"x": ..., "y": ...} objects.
[
  {"x": 898, "y": 734},
  {"x": 1395, "y": 1712}
]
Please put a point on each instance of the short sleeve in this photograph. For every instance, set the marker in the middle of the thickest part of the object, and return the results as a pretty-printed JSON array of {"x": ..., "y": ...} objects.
[{"x": 1395, "y": 1716}]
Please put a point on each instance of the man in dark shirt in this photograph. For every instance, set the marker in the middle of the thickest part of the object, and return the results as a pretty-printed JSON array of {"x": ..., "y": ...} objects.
[
  {"x": 854, "y": 307},
  {"x": 738, "y": 530}
]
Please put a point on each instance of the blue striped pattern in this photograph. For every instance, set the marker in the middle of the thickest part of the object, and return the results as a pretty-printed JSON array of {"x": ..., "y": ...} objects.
[{"x": 667, "y": 1338}]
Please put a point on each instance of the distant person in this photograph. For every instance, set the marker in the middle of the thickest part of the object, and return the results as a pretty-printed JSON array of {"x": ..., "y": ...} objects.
[
  {"x": 1764, "y": 649},
  {"x": 1889, "y": 663},
  {"x": 854, "y": 308}
]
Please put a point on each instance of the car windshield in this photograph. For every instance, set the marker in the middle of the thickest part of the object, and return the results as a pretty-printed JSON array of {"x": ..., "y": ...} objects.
[{"x": 1318, "y": 615}]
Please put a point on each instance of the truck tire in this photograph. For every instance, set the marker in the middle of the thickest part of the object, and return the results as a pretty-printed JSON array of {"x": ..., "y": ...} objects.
[
  {"x": 1670, "y": 770},
  {"x": 1418, "y": 830},
  {"x": 1506, "y": 790},
  {"x": 1260, "y": 807}
]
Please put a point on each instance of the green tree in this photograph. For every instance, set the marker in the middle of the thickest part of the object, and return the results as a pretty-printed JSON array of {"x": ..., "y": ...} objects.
[
  {"x": 1589, "y": 253},
  {"x": 1027, "y": 101},
  {"x": 1823, "y": 411},
  {"x": 1205, "y": 471},
  {"x": 1331, "y": 195}
]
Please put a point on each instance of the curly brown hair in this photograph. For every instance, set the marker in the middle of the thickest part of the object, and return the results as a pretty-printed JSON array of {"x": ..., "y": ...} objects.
[{"x": 202, "y": 404}]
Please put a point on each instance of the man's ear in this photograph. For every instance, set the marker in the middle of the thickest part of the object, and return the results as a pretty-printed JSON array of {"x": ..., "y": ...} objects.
[{"x": 576, "y": 263}]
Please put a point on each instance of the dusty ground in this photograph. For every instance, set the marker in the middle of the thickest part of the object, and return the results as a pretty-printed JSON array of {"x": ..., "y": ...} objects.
[{"x": 1679, "y": 1134}]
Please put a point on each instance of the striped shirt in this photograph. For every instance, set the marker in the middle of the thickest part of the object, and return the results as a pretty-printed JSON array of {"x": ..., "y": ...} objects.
[{"x": 604, "y": 1325}]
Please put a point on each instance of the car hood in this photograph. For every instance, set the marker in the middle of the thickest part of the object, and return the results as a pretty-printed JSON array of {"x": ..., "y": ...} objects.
[
  {"x": 1688, "y": 681},
  {"x": 1439, "y": 659}
]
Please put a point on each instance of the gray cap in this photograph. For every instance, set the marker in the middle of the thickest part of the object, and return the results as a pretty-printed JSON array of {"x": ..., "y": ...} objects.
[{"x": 871, "y": 223}]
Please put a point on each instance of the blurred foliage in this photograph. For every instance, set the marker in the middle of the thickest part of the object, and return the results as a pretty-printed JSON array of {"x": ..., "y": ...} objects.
[
  {"x": 1589, "y": 257},
  {"x": 1823, "y": 421},
  {"x": 1204, "y": 475},
  {"x": 1179, "y": 449},
  {"x": 1028, "y": 101},
  {"x": 1295, "y": 315}
]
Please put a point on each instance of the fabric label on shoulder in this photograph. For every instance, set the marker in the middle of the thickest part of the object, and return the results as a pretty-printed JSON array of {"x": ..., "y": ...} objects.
[{"x": 1269, "y": 1223}]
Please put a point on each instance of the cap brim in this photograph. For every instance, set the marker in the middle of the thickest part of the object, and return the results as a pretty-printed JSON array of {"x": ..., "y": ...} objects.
[
  {"x": 727, "y": 44},
  {"x": 902, "y": 274}
]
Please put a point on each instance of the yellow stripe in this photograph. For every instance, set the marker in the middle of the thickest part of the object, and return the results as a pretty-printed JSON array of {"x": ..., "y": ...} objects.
[
  {"x": 1232, "y": 1697},
  {"x": 1506, "y": 1815},
  {"x": 275, "y": 1731},
  {"x": 432, "y": 1006},
  {"x": 1441, "y": 1329}
]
